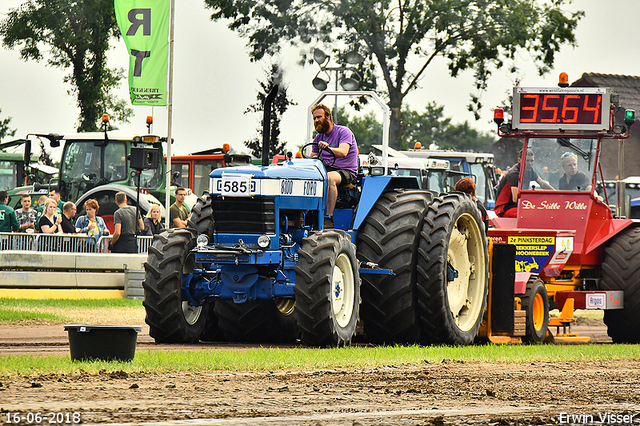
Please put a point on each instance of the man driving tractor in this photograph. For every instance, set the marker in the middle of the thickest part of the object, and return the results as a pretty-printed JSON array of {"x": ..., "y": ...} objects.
[{"x": 339, "y": 141}]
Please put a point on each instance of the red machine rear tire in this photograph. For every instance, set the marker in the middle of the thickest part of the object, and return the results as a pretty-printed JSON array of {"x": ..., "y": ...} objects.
[{"x": 621, "y": 271}]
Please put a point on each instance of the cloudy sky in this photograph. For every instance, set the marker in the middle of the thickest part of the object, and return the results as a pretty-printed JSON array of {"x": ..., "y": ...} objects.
[{"x": 214, "y": 81}]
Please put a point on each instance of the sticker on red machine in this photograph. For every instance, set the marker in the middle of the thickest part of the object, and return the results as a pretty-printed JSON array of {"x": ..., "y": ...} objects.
[
  {"x": 532, "y": 252},
  {"x": 564, "y": 249},
  {"x": 595, "y": 301}
]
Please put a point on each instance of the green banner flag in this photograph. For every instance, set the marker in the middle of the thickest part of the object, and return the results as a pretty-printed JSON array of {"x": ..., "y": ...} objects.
[{"x": 144, "y": 25}]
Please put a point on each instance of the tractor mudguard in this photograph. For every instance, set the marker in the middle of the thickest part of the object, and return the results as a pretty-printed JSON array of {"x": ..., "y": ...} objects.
[
  {"x": 373, "y": 187},
  {"x": 609, "y": 230}
]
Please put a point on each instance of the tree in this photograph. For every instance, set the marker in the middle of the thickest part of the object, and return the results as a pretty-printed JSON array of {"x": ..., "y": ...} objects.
[
  {"x": 278, "y": 108},
  {"x": 366, "y": 129},
  {"x": 426, "y": 128},
  {"x": 462, "y": 137},
  {"x": 481, "y": 35},
  {"x": 45, "y": 156},
  {"x": 4, "y": 128},
  {"x": 76, "y": 35},
  {"x": 431, "y": 127}
]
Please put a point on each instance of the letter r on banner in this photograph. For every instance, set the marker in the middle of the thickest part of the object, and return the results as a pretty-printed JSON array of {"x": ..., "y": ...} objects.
[{"x": 144, "y": 25}]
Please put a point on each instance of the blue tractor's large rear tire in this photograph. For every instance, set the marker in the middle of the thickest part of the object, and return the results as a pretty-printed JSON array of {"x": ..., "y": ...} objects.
[
  {"x": 389, "y": 238},
  {"x": 327, "y": 289},
  {"x": 453, "y": 271},
  {"x": 170, "y": 318},
  {"x": 621, "y": 271}
]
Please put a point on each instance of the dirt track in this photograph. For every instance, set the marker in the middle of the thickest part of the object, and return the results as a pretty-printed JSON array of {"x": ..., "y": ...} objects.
[{"x": 447, "y": 392}]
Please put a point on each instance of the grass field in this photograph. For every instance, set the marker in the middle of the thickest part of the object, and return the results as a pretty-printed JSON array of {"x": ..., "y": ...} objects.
[
  {"x": 59, "y": 311},
  {"x": 271, "y": 359},
  {"x": 22, "y": 312}
]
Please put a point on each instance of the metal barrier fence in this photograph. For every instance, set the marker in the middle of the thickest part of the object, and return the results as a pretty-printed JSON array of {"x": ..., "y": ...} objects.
[
  {"x": 65, "y": 243},
  {"x": 144, "y": 242}
]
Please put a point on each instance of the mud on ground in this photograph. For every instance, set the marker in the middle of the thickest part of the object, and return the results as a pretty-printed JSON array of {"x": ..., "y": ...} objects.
[{"x": 444, "y": 393}]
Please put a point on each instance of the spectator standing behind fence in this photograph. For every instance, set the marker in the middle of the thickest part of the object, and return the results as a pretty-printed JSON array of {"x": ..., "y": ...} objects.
[
  {"x": 26, "y": 215},
  {"x": 178, "y": 214},
  {"x": 41, "y": 207},
  {"x": 55, "y": 194},
  {"x": 8, "y": 219},
  {"x": 49, "y": 222},
  {"x": 91, "y": 224},
  {"x": 466, "y": 184},
  {"x": 152, "y": 223},
  {"x": 40, "y": 210},
  {"x": 43, "y": 199},
  {"x": 68, "y": 212},
  {"x": 124, "y": 221}
]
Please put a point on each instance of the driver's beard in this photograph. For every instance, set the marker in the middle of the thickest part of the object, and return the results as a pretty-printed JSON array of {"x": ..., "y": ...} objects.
[{"x": 323, "y": 127}]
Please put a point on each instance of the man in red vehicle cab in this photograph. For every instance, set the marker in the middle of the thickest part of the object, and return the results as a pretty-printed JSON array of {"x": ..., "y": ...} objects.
[{"x": 507, "y": 196}]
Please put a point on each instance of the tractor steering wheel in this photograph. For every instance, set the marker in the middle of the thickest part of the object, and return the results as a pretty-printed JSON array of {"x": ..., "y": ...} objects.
[{"x": 328, "y": 162}]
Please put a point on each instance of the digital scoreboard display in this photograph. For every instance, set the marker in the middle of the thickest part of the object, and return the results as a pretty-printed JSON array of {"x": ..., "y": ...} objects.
[{"x": 561, "y": 108}]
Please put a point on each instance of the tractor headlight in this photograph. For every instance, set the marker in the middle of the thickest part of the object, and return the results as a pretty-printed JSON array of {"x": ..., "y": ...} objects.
[
  {"x": 202, "y": 240},
  {"x": 264, "y": 241}
]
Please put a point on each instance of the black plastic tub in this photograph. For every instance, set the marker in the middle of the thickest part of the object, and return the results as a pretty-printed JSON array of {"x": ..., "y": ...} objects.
[{"x": 103, "y": 342}]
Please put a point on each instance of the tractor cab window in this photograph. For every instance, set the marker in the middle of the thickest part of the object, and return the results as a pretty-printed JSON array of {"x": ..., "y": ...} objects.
[
  {"x": 115, "y": 161},
  {"x": 83, "y": 164},
  {"x": 567, "y": 164},
  {"x": 404, "y": 172},
  {"x": 8, "y": 175},
  {"x": 81, "y": 161},
  {"x": 201, "y": 175},
  {"x": 81, "y": 169},
  {"x": 436, "y": 181},
  {"x": 452, "y": 177},
  {"x": 482, "y": 188},
  {"x": 180, "y": 174}
]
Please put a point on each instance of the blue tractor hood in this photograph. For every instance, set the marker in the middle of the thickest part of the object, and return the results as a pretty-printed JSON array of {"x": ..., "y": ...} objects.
[{"x": 294, "y": 169}]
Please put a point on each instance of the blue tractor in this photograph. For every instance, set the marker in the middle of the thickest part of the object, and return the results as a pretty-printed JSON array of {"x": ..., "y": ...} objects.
[{"x": 256, "y": 265}]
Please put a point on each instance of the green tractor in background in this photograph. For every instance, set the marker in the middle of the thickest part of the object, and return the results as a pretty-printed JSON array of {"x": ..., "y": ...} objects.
[{"x": 96, "y": 165}]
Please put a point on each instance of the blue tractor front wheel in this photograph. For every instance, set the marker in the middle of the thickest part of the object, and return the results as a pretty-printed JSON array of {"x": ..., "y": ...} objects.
[
  {"x": 171, "y": 319},
  {"x": 327, "y": 289}
]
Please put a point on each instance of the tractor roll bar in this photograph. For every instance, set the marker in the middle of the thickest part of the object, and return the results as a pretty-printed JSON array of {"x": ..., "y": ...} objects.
[{"x": 372, "y": 95}]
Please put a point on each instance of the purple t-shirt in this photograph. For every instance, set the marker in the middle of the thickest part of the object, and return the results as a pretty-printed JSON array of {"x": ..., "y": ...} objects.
[{"x": 337, "y": 136}]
